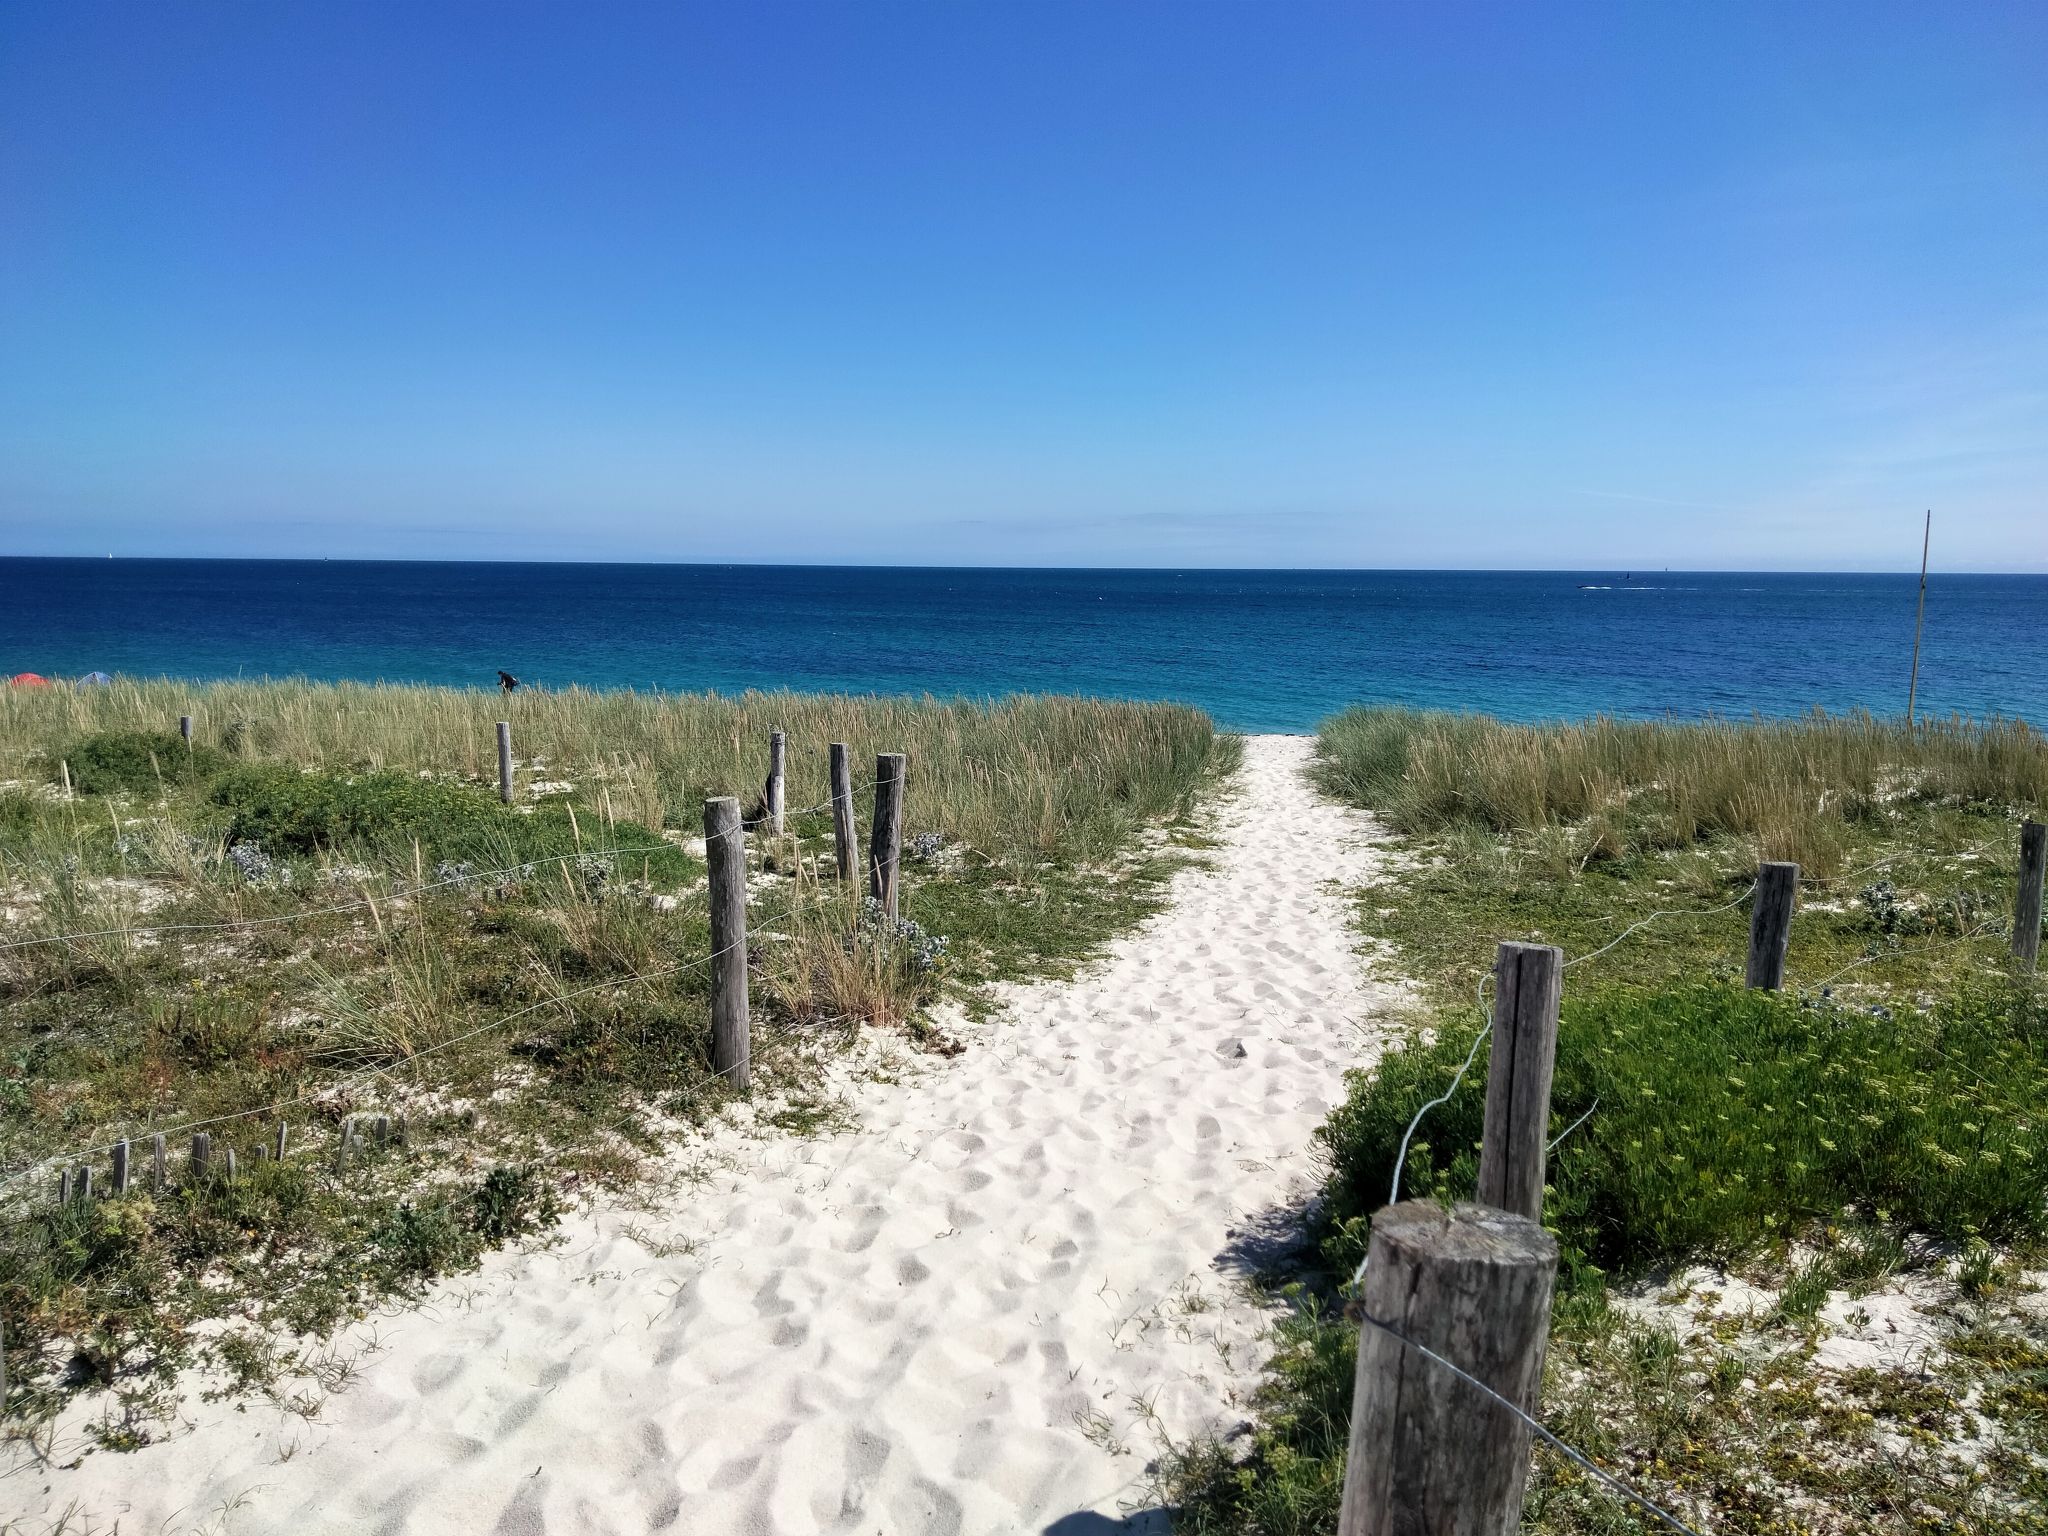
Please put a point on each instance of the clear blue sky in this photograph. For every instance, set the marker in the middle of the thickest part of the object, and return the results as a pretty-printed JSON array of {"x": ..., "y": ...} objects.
[{"x": 1710, "y": 285}]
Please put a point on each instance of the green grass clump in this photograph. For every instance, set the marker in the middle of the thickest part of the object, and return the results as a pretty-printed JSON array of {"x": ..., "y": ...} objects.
[
  {"x": 136, "y": 762},
  {"x": 287, "y": 811},
  {"x": 1722, "y": 1119}
]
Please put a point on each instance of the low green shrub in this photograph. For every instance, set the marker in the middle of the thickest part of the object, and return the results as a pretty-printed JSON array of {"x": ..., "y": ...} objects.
[
  {"x": 1724, "y": 1118},
  {"x": 136, "y": 762},
  {"x": 287, "y": 811}
]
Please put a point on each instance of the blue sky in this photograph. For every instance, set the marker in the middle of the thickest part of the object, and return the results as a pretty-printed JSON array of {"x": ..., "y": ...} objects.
[{"x": 1699, "y": 285}]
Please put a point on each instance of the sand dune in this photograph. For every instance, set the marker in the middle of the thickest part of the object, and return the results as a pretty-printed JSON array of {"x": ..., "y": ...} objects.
[{"x": 959, "y": 1315}]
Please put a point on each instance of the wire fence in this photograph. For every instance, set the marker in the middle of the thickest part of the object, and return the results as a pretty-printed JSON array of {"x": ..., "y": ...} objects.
[
  {"x": 1355, "y": 1308},
  {"x": 15, "y": 1178}
]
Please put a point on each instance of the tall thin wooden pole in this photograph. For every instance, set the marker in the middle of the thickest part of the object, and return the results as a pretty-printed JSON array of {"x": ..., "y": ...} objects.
[
  {"x": 2026, "y": 910},
  {"x": 1432, "y": 1454},
  {"x": 777, "y": 766},
  {"x": 885, "y": 838},
  {"x": 505, "y": 761},
  {"x": 1527, "y": 981},
  {"x": 843, "y": 844},
  {"x": 1770, "y": 924},
  {"x": 725, "y": 850},
  {"x": 1919, "y": 617}
]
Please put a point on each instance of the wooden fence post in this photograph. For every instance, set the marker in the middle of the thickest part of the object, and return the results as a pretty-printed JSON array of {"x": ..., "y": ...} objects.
[
  {"x": 63, "y": 1186},
  {"x": 1770, "y": 924},
  {"x": 283, "y": 1131},
  {"x": 159, "y": 1175},
  {"x": 725, "y": 851},
  {"x": 505, "y": 761},
  {"x": 81, "y": 1188},
  {"x": 885, "y": 839},
  {"x": 185, "y": 728},
  {"x": 1527, "y": 981},
  {"x": 202, "y": 1152},
  {"x": 843, "y": 846},
  {"x": 1431, "y": 1454},
  {"x": 777, "y": 767},
  {"x": 2026, "y": 911},
  {"x": 120, "y": 1167}
]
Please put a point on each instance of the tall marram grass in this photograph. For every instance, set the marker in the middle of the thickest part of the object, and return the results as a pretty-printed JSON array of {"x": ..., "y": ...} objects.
[
  {"x": 1788, "y": 785},
  {"x": 1036, "y": 771}
]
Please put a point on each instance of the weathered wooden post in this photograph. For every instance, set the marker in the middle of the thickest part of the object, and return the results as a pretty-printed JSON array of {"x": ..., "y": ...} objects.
[
  {"x": 2026, "y": 911},
  {"x": 1527, "y": 981},
  {"x": 1432, "y": 1454},
  {"x": 120, "y": 1167},
  {"x": 885, "y": 839},
  {"x": 202, "y": 1152},
  {"x": 228, "y": 1164},
  {"x": 283, "y": 1132},
  {"x": 777, "y": 768},
  {"x": 159, "y": 1173},
  {"x": 725, "y": 851},
  {"x": 185, "y": 729},
  {"x": 844, "y": 849},
  {"x": 63, "y": 1186},
  {"x": 1770, "y": 924},
  {"x": 505, "y": 761},
  {"x": 81, "y": 1186},
  {"x": 380, "y": 1131}
]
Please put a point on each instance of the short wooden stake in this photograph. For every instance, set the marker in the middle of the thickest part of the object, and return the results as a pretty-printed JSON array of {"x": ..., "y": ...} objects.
[
  {"x": 844, "y": 848},
  {"x": 885, "y": 838},
  {"x": 283, "y": 1132},
  {"x": 1770, "y": 924},
  {"x": 120, "y": 1167},
  {"x": 380, "y": 1130},
  {"x": 725, "y": 850},
  {"x": 342, "y": 1145},
  {"x": 81, "y": 1186},
  {"x": 2026, "y": 911},
  {"x": 778, "y": 765},
  {"x": 1431, "y": 1454},
  {"x": 505, "y": 761},
  {"x": 398, "y": 1132},
  {"x": 185, "y": 728},
  {"x": 1527, "y": 980},
  {"x": 63, "y": 1186},
  {"x": 258, "y": 1155},
  {"x": 159, "y": 1170},
  {"x": 228, "y": 1164},
  {"x": 202, "y": 1152}
]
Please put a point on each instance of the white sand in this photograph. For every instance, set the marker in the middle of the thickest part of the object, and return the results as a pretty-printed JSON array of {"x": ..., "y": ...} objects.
[{"x": 955, "y": 1316}]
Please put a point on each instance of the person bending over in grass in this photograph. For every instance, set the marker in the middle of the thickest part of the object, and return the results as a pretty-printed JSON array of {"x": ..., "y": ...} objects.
[{"x": 506, "y": 680}]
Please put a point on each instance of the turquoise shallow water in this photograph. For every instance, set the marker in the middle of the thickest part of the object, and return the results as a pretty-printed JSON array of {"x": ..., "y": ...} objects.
[{"x": 1262, "y": 650}]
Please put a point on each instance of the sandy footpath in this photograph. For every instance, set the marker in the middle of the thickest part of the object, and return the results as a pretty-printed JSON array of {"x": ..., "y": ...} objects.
[{"x": 959, "y": 1315}]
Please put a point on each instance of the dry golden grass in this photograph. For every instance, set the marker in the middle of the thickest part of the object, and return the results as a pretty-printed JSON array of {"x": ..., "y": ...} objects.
[
  {"x": 1041, "y": 771},
  {"x": 1791, "y": 787}
]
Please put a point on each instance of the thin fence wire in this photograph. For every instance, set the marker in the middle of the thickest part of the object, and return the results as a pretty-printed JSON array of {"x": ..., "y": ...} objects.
[
  {"x": 472, "y": 878},
  {"x": 28, "y": 1170},
  {"x": 1577, "y": 1457}
]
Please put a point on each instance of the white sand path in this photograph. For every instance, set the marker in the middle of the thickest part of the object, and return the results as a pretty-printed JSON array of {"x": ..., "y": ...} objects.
[{"x": 943, "y": 1319}]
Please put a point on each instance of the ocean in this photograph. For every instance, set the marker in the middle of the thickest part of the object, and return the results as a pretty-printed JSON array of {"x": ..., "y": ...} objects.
[{"x": 1260, "y": 650}]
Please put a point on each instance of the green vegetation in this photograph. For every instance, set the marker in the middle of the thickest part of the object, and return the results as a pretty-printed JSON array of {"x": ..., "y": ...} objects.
[
  {"x": 339, "y": 919},
  {"x": 1885, "y": 1121}
]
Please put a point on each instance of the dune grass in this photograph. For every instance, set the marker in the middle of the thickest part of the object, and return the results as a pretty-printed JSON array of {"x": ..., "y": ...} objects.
[
  {"x": 344, "y": 922},
  {"x": 1885, "y": 1116}
]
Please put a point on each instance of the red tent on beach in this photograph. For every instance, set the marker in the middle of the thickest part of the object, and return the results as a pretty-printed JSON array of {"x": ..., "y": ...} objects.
[{"x": 28, "y": 680}]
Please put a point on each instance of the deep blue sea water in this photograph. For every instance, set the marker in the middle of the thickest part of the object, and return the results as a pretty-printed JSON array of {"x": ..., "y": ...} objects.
[{"x": 1261, "y": 650}]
